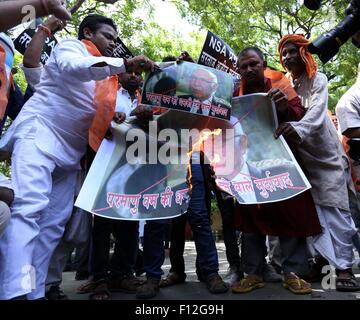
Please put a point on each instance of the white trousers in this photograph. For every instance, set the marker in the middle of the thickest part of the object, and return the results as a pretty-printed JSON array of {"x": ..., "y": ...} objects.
[
  {"x": 44, "y": 197},
  {"x": 335, "y": 242}
]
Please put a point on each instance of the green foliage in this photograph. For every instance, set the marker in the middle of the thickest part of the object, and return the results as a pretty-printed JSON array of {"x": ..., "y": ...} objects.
[
  {"x": 18, "y": 74},
  {"x": 243, "y": 23}
]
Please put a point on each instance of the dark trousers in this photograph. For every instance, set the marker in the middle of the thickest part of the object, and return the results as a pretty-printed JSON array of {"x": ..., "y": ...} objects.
[
  {"x": 293, "y": 254},
  {"x": 198, "y": 217},
  {"x": 126, "y": 244},
  {"x": 227, "y": 209},
  {"x": 177, "y": 245},
  {"x": 154, "y": 256}
]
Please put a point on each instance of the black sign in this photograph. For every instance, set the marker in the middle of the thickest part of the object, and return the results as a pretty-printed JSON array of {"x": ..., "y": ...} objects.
[
  {"x": 217, "y": 54},
  {"x": 121, "y": 51},
  {"x": 23, "y": 40}
]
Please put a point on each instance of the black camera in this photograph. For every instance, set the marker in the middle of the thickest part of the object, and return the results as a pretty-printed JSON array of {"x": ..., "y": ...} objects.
[
  {"x": 354, "y": 151},
  {"x": 327, "y": 45}
]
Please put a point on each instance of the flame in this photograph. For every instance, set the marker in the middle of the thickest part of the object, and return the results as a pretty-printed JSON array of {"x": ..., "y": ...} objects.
[
  {"x": 204, "y": 135},
  {"x": 198, "y": 146},
  {"x": 215, "y": 160}
]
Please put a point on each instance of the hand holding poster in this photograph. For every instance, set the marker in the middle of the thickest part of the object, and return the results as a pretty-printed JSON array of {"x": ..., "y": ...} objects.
[
  {"x": 189, "y": 87},
  {"x": 141, "y": 174},
  {"x": 264, "y": 168}
]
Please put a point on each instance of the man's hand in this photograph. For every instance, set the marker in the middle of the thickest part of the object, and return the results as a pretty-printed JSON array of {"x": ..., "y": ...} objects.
[
  {"x": 287, "y": 130},
  {"x": 143, "y": 112},
  {"x": 280, "y": 99},
  {"x": 119, "y": 117},
  {"x": 185, "y": 57},
  {"x": 54, "y": 24},
  {"x": 140, "y": 64},
  {"x": 56, "y": 8}
]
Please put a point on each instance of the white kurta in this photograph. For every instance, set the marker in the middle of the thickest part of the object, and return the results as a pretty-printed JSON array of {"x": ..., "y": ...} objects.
[
  {"x": 47, "y": 141},
  {"x": 322, "y": 156},
  {"x": 326, "y": 166},
  {"x": 61, "y": 110}
]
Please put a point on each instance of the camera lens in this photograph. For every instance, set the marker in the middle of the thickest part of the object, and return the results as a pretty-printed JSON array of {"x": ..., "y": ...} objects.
[
  {"x": 328, "y": 44},
  {"x": 312, "y": 4}
]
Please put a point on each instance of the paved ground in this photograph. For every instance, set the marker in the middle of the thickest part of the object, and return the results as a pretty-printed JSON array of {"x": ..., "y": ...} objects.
[{"x": 194, "y": 290}]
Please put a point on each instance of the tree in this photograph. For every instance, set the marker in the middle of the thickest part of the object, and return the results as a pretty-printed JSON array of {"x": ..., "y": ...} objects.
[{"x": 243, "y": 23}]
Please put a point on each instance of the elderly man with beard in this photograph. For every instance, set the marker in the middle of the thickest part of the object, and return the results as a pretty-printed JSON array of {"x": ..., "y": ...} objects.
[{"x": 323, "y": 159}]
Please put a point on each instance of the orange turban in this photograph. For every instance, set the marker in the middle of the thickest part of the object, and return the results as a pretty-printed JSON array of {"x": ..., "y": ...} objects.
[{"x": 300, "y": 41}]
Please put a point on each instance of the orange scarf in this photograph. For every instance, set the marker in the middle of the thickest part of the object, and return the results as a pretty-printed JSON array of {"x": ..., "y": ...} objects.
[{"x": 104, "y": 101}]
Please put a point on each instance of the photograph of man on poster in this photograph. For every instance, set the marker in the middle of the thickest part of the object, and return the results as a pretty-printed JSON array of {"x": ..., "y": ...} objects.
[
  {"x": 203, "y": 85},
  {"x": 190, "y": 87}
]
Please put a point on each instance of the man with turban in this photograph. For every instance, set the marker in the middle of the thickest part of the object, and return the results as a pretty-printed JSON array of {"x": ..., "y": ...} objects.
[{"x": 322, "y": 158}]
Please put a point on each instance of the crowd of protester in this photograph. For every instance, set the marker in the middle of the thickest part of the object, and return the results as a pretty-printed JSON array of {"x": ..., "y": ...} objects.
[{"x": 56, "y": 132}]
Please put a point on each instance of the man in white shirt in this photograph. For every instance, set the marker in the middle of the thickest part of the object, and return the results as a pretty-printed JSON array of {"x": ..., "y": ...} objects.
[{"x": 47, "y": 141}]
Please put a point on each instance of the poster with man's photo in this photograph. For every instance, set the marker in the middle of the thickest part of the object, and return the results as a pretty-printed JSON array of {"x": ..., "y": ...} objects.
[
  {"x": 190, "y": 87},
  {"x": 264, "y": 168},
  {"x": 142, "y": 172},
  {"x": 133, "y": 178}
]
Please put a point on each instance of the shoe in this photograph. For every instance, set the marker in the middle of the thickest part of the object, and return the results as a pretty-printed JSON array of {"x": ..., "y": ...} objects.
[
  {"x": 215, "y": 284},
  {"x": 270, "y": 274},
  {"x": 233, "y": 275},
  {"x": 171, "y": 279},
  {"x": 87, "y": 287},
  {"x": 55, "y": 293},
  {"x": 149, "y": 289},
  {"x": 101, "y": 291},
  {"x": 249, "y": 283},
  {"x": 346, "y": 281},
  {"x": 127, "y": 284},
  {"x": 296, "y": 285}
]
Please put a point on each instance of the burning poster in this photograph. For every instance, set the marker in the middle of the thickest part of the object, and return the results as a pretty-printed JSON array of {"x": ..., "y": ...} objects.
[
  {"x": 141, "y": 173},
  {"x": 136, "y": 175}
]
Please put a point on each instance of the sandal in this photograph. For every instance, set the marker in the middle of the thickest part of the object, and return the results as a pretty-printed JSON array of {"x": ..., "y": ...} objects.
[
  {"x": 171, "y": 279},
  {"x": 296, "y": 285},
  {"x": 346, "y": 281},
  {"x": 251, "y": 282},
  {"x": 101, "y": 292},
  {"x": 86, "y": 287}
]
